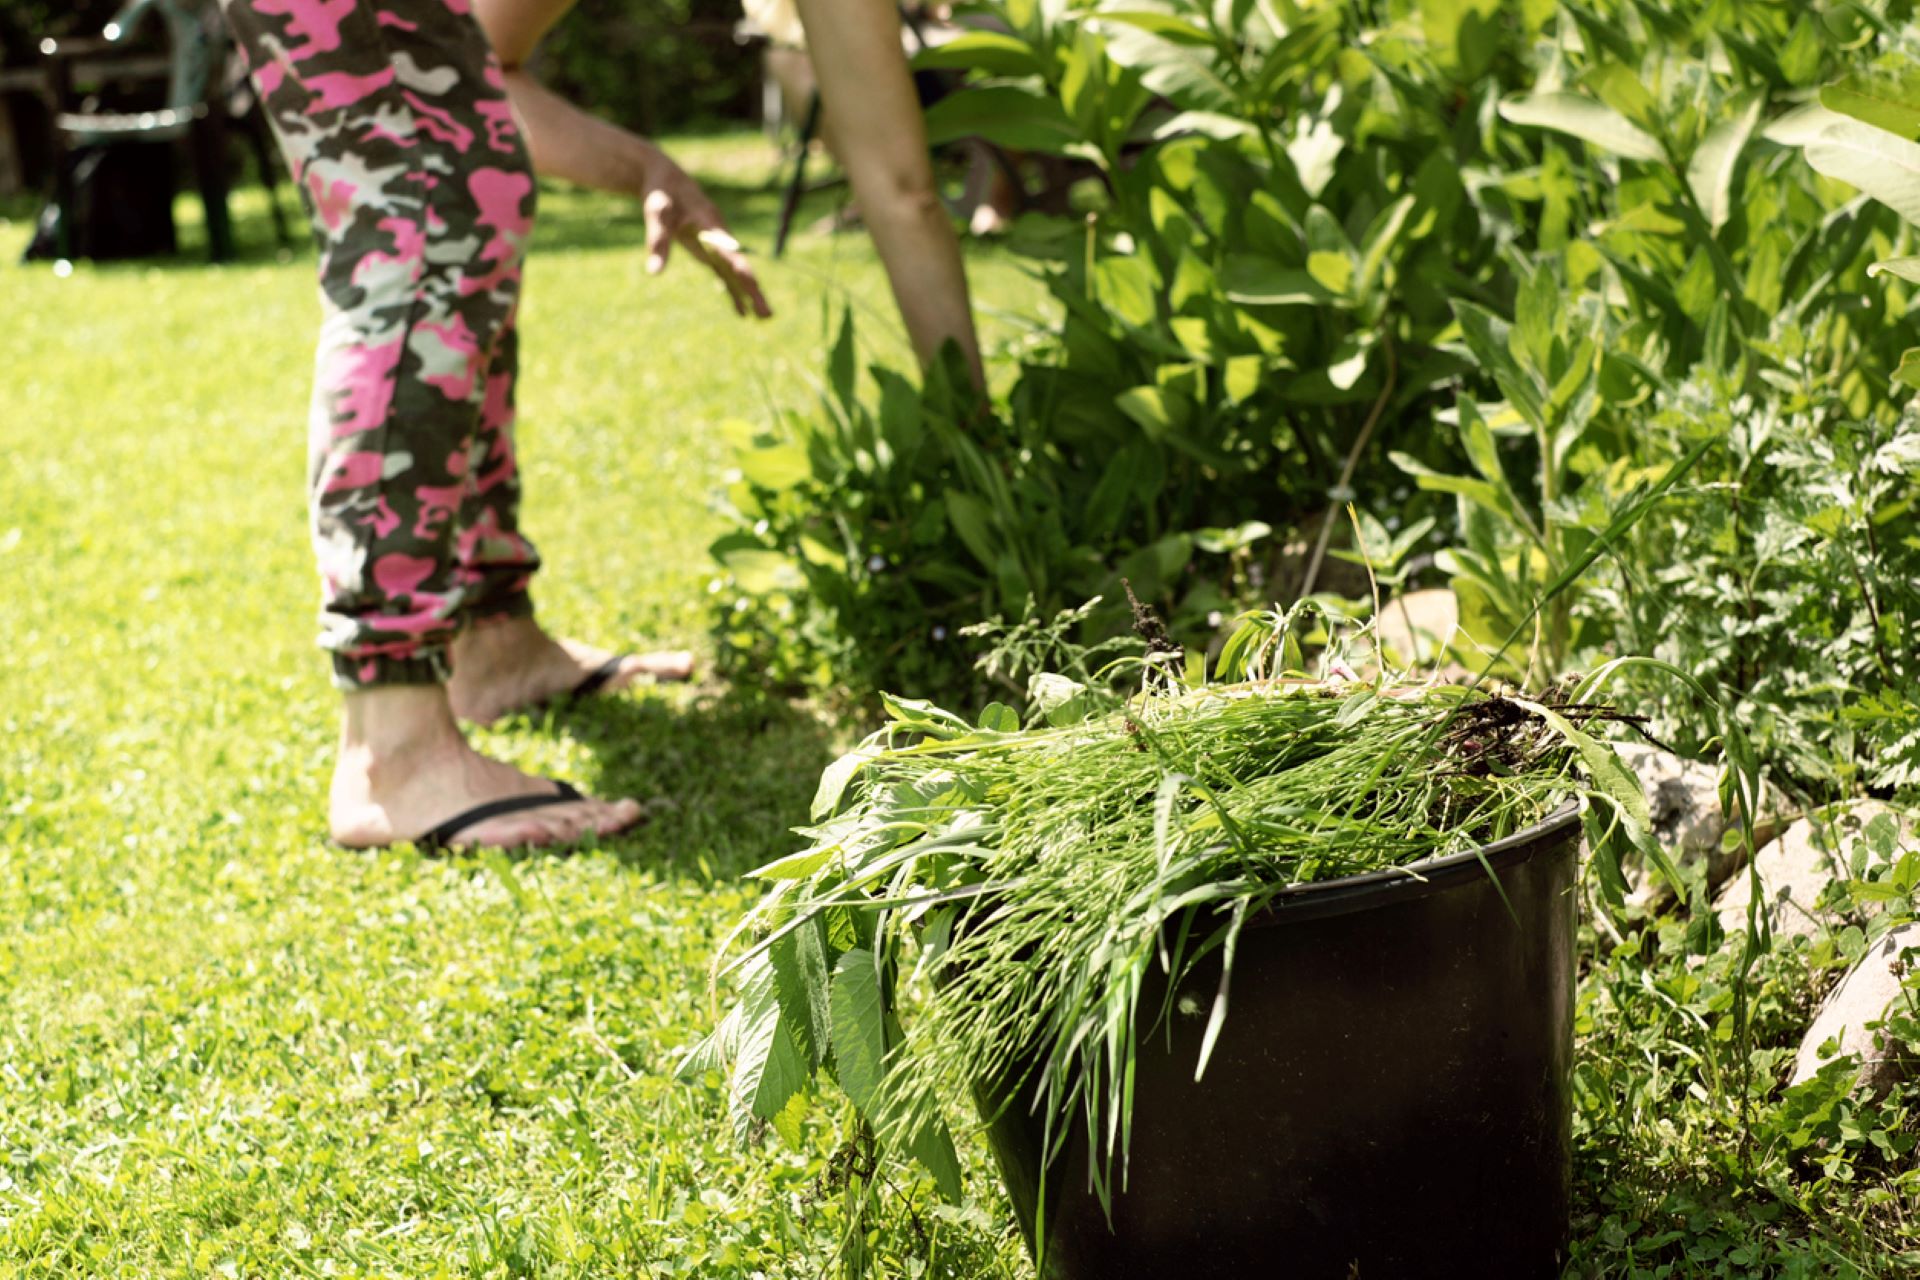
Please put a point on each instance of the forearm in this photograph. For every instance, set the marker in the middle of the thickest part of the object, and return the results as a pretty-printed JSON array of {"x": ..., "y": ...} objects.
[
  {"x": 874, "y": 125},
  {"x": 569, "y": 144},
  {"x": 565, "y": 142}
]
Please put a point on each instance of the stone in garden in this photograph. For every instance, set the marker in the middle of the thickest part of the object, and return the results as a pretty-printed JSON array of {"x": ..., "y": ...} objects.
[
  {"x": 1796, "y": 869},
  {"x": 1862, "y": 997},
  {"x": 1417, "y": 626},
  {"x": 1683, "y": 802}
]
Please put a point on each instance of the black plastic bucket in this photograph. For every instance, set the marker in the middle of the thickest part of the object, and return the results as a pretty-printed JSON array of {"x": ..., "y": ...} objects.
[{"x": 1388, "y": 1099}]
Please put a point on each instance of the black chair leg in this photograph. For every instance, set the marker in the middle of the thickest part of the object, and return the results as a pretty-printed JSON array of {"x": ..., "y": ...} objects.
[
  {"x": 790, "y": 202},
  {"x": 207, "y": 140}
]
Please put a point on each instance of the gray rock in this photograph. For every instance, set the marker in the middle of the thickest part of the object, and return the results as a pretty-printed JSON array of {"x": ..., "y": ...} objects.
[
  {"x": 1796, "y": 869},
  {"x": 1417, "y": 627},
  {"x": 1862, "y": 998},
  {"x": 1683, "y": 801}
]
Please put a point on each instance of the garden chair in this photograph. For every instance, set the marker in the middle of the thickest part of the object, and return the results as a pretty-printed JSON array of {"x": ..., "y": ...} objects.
[{"x": 198, "y": 108}]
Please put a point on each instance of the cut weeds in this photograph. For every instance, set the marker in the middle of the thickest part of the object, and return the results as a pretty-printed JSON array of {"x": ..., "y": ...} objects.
[{"x": 1018, "y": 888}]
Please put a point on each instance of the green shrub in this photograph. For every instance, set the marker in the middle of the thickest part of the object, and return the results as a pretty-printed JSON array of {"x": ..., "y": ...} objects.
[
  {"x": 653, "y": 65},
  {"x": 1264, "y": 281}
]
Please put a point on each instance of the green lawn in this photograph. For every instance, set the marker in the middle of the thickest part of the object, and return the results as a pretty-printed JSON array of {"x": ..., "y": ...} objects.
[{"x": 227, "y": 1049}]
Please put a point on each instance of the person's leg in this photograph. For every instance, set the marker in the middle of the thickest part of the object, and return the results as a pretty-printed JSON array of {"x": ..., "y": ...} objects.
[
  {"x": 502, "y": 660},
  {"x": 405, "y": 153}
]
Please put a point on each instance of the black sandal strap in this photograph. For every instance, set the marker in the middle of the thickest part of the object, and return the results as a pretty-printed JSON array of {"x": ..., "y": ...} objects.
[
  {"x": 597, "y": 681},
  {"x": 441, "y": 836}
]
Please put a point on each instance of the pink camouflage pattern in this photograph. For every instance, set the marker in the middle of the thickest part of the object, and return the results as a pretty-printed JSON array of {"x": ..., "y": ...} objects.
[{"x": 395, "y": 123}]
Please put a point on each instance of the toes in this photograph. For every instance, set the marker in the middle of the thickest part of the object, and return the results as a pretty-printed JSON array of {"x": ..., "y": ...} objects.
[
  {"x": 569, "y": 824},
  {"x": 667, "y": 664}
]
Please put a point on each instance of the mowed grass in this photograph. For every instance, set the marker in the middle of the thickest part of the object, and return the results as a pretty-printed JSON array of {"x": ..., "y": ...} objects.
[{"x": 228, "y": 1049}]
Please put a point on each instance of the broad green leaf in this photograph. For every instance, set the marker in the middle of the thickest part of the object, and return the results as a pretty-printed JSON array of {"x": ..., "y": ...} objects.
[
  {"x": 973, "y": 520},
  {"x": 1166, "y": 26},
  {"x": 834, "y": 780},
  {"x": 998, "y": 717},
  {"x": 1603, "y": 764},
  {"x": 1127, "y": 288},
  {"x": 1885, "y": 102},
  {"x": 795, "y": 866},
  {"x": 1173, "y": 58},
  {"x": 1878, "y": 163},
  {"x": 1461, "y": 33},
  {"x": 859, "y": 1028},
  {"x": 1224, "y": 541},
  {"x": 1479, "y": 492},
  {"x": 1619, "y": 88},
  {"x": 1334, "y": 271},
  {"x": 780, "y": 466},
  {"x": 1151, "y": 407},
  {"x": 932, "y": 1146},
  {"x": 1005, "y": 115},
  {"x": 1488, "y": 338},
  {"x": 1195, "y": 337},
  {"x": 1800, "y": 126},
  {"x": 800, "y": 973},
  {"x": 1909, "y": 370},
  {"x": 1482, "y": 451},
  {"x": 990, "y": 51},
  {"x": 1380, "y": 240},
  {"x": 1585, "y": 119},
  {"x": 1349, "y": 363},
  {"x": 1907, "y": 269},
  {"x": 1211, "y": 124},
  {"x": 1243, "y": 376},
  {"x": 1261, "y": 281},
  {"x": 767, "y": 1067},
  {"x": 1799, "y": 58},
  {"x": 1710, "y": 172}
]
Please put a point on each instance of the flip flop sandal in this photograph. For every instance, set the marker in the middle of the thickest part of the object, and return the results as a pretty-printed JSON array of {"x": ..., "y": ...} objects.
[
  {"x": 599, "y": 678},
  {"x": 439, "y": 840}
]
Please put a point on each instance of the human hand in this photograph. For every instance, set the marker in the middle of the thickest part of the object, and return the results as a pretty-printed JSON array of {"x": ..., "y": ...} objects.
[{"x": 677, "y": 209}]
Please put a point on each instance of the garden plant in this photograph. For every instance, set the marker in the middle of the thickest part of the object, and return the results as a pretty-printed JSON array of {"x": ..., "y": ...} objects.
[
  {"x": 1483, "y": 271},
  {"x": 1592, "y": 319}
]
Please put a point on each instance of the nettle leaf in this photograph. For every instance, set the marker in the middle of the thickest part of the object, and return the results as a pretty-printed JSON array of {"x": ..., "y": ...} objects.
[
  {"x": 933, "y": 1147},
  {"x": 767, "y": 1066},
  {"x": 1583, "y": 118},
  {"x": 800, "y": 969},
  {"x": 834, "y": 780},
  {"x": 859, "y": 1027},
  {"x": 1880, "y": 164}
]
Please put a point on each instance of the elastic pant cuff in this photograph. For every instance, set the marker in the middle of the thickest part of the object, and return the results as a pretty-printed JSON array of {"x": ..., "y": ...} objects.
[{"x": 377, "y": 671}]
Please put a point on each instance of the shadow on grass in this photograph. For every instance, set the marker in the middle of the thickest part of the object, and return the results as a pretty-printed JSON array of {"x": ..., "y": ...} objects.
[{"x": 726, "y": 775}]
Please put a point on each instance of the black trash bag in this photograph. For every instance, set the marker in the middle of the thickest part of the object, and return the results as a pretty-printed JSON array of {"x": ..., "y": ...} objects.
[{"x": 123, "y": 205}]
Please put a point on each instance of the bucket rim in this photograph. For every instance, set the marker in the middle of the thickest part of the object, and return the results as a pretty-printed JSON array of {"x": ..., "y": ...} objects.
[{"x": 1370, "y": 889}]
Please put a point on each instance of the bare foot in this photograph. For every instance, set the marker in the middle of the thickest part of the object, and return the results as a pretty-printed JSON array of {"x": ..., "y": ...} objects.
[
  {"x": 512, "y": 665},
  {"x": 404, "y": 769}
]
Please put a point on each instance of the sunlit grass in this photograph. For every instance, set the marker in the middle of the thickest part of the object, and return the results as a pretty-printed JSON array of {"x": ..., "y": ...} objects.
[{"x": 228, "y": 1049}]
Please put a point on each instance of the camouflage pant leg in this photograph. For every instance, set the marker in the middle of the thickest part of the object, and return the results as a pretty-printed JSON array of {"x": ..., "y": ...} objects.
[{"x": 394, "y": 119}]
